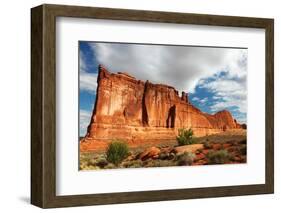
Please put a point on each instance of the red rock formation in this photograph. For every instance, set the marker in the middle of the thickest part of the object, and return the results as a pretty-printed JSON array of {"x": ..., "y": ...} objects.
[{"x": 134, "y": 110}]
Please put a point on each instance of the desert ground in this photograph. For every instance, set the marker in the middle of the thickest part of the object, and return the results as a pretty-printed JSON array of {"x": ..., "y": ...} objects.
[{"x": 229, "y": 147}]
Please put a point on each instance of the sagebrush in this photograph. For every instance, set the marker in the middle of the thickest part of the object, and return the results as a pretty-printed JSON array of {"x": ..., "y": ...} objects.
[
  {"x": 186, "y": 159},
  {"x": 185, "y": 137},
  {"x": 218, "y": 157},
  {"x": 117, "y": 151}
]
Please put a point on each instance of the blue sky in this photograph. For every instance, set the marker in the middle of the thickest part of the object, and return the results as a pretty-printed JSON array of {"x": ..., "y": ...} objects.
[{"x": 215, "y": 78}]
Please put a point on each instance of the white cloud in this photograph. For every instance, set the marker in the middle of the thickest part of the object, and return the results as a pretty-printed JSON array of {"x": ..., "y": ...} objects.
[
  {"x": 82, "y": 63},
  {"x": 228, "y": 93},
  {"x": 201, "y": 101},
  {"x": 230, "y": 87},
  {"x": 88, "y": 81},
  {"x": 241, "y": 118},
  {"x": 85, "y": 117},
  {"x": 179, "y": 66},
  {"x": 216, "y": 97}
]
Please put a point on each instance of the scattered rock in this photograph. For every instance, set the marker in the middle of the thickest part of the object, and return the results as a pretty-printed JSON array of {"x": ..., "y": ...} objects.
[
  {"x": 205, "y": 151},
  {"x": 164, "y": 156},
  {"x": 188, "y": 148},
  {"x": 166, "y": 150},
  {"x": 236, "y": 158},
  {"x": 171, "y": 156},
  {"x": 130, "y": 157},
  {"x": 200, "y": 162},
  {"x": 243, "y": 159},
  {"x": 217, "y": 146},
  {"x": 152, "y": 152},
  {"x": 102, "y": 163},
  {"x": 226, "y": 145},
  {"x": 200, "y": 156},
  {"x": 155, "y": 157}
]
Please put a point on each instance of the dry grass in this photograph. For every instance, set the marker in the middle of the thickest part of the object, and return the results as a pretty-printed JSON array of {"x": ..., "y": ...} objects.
[{"x": 97, "y": 160}]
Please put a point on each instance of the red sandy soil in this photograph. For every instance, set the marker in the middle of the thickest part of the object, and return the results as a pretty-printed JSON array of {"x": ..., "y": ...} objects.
[{"x": 220, "y": 139}]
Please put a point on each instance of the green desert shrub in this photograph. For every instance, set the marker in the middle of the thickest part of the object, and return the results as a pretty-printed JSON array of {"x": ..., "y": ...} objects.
[
  {"x": 117, "y": 151},
  {"x": 185, "y": 159},
  {"x": 185, "y": 137},
  {"x": 218, "y": 157}
]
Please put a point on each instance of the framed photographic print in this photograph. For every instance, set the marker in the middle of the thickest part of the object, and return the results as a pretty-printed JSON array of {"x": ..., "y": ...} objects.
[{"x": 136, "y": 106}]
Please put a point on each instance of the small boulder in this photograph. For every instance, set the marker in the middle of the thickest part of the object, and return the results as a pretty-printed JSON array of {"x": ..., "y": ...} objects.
[
  {"x": 163, "y": 155},
  {"x": 171, "y": 156},
  {"x": 205, "y": 151},
  {"x": 152, "y": 152},
  {"x": 166, "y": 150},
  {"x": 130, "y": 157},
  {"x": 188, "y": 148},
  {"x": 200, "y": 156}
]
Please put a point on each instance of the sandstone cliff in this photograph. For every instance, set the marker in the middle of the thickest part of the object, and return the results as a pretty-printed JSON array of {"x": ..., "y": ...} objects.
[{"x": 134, "y": 110}]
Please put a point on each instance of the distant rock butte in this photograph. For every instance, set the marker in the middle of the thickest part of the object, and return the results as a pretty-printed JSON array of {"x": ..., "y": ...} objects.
[{"x": 137, "y": 111}]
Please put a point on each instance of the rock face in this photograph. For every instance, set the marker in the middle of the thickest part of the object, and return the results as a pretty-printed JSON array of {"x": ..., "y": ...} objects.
[{"x": 134, "y": 110}]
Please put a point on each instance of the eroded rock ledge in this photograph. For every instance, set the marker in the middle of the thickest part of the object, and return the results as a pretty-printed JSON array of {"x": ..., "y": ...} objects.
[{"x": 134, "y": 110}]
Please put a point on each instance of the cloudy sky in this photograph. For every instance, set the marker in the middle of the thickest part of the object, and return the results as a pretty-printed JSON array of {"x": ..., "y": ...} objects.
[{"x": 215, "y": 78}]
